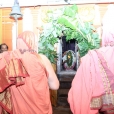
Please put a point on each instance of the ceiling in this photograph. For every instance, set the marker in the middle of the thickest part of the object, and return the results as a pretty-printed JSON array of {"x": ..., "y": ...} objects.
[{"x": 9, "y": 3}]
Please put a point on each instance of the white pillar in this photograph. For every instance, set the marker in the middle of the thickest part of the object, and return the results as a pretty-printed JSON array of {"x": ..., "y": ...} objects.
[
  {"x": 14, "y": 30},
  {"x": 39, "y": 23},
  {"x": 27, "y": 20},
  {"x": 97, "y": 19}
]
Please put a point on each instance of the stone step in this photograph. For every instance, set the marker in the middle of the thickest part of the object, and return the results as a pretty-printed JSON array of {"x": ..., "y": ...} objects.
[
  {"x": 62, "y": 110},
  {"x": 65, "y": 85},
  {"x": 62, "y": 101},
  {"x": 66, "y": 78},
  {"x": 63, "y": 92},
  {"x": 62, "y": 97}
]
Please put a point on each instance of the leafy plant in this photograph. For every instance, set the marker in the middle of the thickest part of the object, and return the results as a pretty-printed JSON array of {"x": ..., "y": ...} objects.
[
  {"x": 83, "y": 32},
  {"x": 67, "y": 20},
  {"x": 51, "y": 32}
]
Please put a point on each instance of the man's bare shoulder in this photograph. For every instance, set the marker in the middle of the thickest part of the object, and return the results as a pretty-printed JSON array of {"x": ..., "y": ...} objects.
[{"x": 43, "y": 57}]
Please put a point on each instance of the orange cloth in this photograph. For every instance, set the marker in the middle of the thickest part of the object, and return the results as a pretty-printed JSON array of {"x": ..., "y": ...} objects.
[
  {"x": 53, "y": 93},
  {"x": 33, "y": 96},
  {"x": 12, "y": 72}
]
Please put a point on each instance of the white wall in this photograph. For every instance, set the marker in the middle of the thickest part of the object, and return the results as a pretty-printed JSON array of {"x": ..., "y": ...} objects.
[{"x": 9, "y": 3}]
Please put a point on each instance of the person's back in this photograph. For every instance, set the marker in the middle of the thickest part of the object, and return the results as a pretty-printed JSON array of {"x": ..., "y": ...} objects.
[
  {"x": 92, "y": 89},
  {"x": 88, "y": 91},
  {"x": 33, "y": 97},
  {"x": 33, "y": 76}
]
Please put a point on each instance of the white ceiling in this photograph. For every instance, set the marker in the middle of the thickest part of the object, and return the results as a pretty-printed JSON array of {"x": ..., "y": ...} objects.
[{"x": 9, "y": 3}]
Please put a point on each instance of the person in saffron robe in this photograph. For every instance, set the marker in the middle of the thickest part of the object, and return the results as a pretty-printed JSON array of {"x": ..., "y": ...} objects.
[
  {"x": 92, "y": 90},
  {"x": 29, "y": 77}
]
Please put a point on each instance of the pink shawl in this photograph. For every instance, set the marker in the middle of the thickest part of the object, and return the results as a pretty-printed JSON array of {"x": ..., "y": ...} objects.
[
  {"x": 93, "y": 85},
  {"x": 86, "y": 95}
]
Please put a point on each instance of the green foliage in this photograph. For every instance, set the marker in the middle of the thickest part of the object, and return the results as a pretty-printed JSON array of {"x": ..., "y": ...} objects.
[
  {"x": 48, "y": 38},
  {"x": 66, "y": 19},
  {"x": 82, "y": 32},
  {"x": 51, "y": 31}
]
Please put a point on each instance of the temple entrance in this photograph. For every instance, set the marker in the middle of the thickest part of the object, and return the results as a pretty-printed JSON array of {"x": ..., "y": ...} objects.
[{"x": 67, "y": 64}]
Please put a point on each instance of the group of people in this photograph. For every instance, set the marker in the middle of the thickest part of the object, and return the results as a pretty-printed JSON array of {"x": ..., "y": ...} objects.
[{"x": 26, "y": 77}]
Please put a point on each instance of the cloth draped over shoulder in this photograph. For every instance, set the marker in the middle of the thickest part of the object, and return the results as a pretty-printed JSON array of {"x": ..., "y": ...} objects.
[
  {"x": 93, "y": 86},
  {"x": 23, "y": 79},
  {"x": 34, "y": 95},
  {"x": 12, "y": 72},
  {"x": 24, "y": 83}
]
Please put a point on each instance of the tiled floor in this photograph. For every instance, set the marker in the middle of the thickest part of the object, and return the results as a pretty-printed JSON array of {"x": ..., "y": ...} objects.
[{"x": 61, "y": 110}]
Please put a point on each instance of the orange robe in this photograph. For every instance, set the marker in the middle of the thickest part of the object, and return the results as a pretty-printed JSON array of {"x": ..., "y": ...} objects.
[{"x": 33, "y": 97}]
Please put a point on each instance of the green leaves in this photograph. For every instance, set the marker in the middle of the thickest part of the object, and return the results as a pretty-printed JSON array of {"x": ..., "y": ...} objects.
[
  {"x": 83, "y": 48},
  {"x": 70, "y": 11},
  {"x": 83, "y": 32},
  {"x": 67, "y": 20}
]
